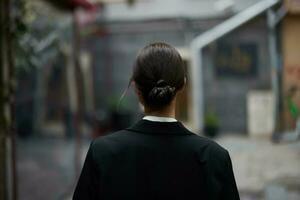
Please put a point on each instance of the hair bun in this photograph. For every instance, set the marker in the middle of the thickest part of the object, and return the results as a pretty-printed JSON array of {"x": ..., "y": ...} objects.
[
  {"x": 161, "y": 83},
  {"x": 162, "y": 93}
]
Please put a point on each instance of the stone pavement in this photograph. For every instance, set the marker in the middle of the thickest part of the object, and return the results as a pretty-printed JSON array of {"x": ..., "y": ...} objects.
[
  {"x": 45, "y": 168},
  {"x": 264, "y": 170}
]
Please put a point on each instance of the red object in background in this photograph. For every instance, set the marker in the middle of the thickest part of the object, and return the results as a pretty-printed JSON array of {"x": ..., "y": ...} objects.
[
  {"x": 70, "y": 5},
  {"x": 83, "y": 4}
]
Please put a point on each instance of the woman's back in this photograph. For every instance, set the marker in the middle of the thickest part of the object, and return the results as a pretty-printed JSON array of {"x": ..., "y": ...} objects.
[{"x": 156, "y": 160}]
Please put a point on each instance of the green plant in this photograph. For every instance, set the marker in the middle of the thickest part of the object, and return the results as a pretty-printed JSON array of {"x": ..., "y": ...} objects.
[
  {"x": 211, "y": 120},
  {"x": 211, "y": 124},
  {"x": 114, "y": 103}
]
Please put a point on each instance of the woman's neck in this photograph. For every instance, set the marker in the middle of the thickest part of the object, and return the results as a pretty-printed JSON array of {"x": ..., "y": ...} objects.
[{"x": 168, "y": 111}]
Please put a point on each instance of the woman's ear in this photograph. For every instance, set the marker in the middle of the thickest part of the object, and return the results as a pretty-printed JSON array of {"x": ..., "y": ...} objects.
[
  {"x": 137, "y": 92},
  {"x": 184, "y": 85}
]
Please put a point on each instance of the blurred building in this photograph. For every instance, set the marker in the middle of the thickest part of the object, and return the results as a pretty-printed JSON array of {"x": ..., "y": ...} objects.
[
  {"x": 233, "y": 65},
  {"x": 291, "y": 62}
]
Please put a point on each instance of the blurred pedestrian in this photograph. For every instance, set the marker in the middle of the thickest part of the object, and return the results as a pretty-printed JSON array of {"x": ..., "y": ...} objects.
[{"x": 157, "y": 157}]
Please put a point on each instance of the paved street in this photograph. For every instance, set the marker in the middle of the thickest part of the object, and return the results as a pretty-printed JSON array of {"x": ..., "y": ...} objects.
[
  {"x": 263, "y": 171},
  {"x": 46, "y": 168}
]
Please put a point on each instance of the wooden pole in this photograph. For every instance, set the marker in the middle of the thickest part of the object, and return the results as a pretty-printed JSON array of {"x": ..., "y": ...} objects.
[
  {"x": 11, "y": 102},
  {"x": 8, "y": 185},
  {"x": 2, "y": 116}
]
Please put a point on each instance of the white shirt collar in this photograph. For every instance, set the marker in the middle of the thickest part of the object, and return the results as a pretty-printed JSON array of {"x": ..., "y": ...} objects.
[{"x": 159, "y": 119}]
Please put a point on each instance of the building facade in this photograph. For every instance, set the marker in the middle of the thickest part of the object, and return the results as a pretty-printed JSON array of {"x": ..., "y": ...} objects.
[{"x": 233, "y": 65}]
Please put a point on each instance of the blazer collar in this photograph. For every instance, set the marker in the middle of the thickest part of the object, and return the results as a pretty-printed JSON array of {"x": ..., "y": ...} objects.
[{"x": 154, "y": 127}]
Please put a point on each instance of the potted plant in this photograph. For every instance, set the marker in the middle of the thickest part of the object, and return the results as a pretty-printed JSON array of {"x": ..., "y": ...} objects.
[
  {"x": 211, "y": 124},
  {"x": 120, "y": 115}
]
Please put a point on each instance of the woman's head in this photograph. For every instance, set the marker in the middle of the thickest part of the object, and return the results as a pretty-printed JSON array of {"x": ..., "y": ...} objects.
[{"x": 158, "y": 74}]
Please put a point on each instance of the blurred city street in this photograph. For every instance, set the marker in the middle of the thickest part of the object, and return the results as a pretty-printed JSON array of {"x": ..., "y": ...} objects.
[
  {"x": 46, "y": 168},
  {"x": 66, "y": 72},
  {"x": 263, "y": 170}
]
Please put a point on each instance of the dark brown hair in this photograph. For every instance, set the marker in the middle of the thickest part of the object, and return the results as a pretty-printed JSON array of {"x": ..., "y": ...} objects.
[{"x": 158, "y": 73}]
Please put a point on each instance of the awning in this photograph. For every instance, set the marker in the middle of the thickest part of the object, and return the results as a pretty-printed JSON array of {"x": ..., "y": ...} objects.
[
  {"x": 83, "y": 4},
  {"x": 72, "y": 4}
]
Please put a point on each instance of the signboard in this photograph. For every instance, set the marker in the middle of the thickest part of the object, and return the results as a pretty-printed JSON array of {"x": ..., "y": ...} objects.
[
  {"x": 260, "y": 110},
  {"x": 291, "y": 66},
  {"x": 293, "y": 6},
  {"x": 238, "y": 60}
]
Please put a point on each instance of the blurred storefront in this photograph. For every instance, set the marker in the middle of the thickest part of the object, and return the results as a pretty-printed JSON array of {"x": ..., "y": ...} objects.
[
  {"x": 233, "y": 65},
  {"x": 291, "y": 63}
]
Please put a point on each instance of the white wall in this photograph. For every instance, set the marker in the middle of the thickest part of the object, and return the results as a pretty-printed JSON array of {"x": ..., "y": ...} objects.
[{"x": 156, "y": 9}]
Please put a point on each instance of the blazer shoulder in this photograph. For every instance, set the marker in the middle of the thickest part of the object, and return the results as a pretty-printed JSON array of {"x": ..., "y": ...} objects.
[
  {"x": 104, "y": 147},
  {"x": 208, "y": 148},
  {"x": 216, "y": 148},
  {"x": 110, "y": 139},
  {"x": 212, "y": 145},
  {"x": 113, "y": 139}
]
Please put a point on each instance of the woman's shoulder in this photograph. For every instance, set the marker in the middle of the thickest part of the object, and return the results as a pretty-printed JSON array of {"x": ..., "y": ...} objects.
[
  {"x": 211, "y": 147},
  {"x": 124, "y": 138},
  {"x": 110, "y": 138}
]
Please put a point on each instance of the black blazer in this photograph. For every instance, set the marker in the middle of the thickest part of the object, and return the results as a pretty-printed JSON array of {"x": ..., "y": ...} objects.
[{"x": 156, "y": 160}]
